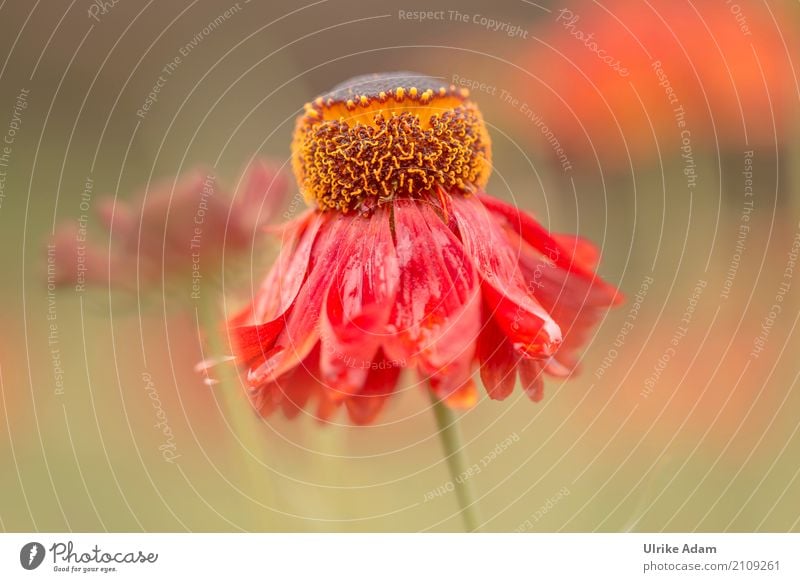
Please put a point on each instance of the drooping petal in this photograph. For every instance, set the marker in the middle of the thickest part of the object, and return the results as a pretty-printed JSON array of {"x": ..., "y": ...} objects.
[
  {"x": 531, "y": 329},
  {"x": 575, "y": 302},
  {"x": 436, "y": 318},
  {"x": 583, "y": 251},
  {"x": 556, "y": 369},
  {"x": 280, "y": 288},
  {"x": 402, "y": 287},
  {"x": 254, "y": 331},
  {"x": 449, "y": 365},
  {"x": 498, "y": 361},
  {"x": 381, "y": 381},
  {"x": 255, "y": 343},
  {"x": 359, "y": 302},
  {"x": 521, "y": 222},
  {"x": 571, "y": 253},
  {"x": 302, "y": 322},
  {"x": 291, "y": 391},
  {"x": 532, "y": 378}
]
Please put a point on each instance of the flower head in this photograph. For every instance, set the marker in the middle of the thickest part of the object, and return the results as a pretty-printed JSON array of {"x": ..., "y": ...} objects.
[
  {"x": 376, "y": 138},
  {"x": 404, "y": 262}
]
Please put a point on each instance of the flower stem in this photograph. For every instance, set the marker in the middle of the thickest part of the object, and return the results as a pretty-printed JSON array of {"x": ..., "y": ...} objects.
[{"x": 450, "y": 436}]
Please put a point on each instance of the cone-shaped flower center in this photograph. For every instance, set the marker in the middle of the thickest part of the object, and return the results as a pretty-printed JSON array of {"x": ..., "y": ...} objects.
[{"x": 377, "y": 137}]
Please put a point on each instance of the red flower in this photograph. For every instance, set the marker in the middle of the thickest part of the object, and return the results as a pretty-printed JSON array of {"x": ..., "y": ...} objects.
[
  {"x": 174, "y": 227},
  {"x": 406, "y": 263}
]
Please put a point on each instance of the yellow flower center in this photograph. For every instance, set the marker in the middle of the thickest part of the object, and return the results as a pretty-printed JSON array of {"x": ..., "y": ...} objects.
[{"x": 377, "y": 137}]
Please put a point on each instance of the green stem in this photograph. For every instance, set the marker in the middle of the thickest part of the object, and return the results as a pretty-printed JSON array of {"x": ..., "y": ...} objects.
[{"x": 450, "y": 435}]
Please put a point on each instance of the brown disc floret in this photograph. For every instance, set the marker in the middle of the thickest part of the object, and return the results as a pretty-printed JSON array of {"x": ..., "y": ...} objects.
[{"x": 378, "y": 137}]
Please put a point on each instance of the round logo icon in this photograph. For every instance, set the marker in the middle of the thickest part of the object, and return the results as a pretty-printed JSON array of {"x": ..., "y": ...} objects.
[{"x": 31, "y": 555}]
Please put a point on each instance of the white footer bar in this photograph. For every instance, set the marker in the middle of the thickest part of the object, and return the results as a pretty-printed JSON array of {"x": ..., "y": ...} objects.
[{"x": 388, "y": 557}]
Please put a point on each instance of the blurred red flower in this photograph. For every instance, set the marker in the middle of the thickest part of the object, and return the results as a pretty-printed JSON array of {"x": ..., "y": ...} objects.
[{"x": 173, "y": 227}]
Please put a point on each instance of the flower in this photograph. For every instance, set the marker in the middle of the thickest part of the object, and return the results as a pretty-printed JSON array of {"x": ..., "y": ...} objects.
[
  {"x": 404, "y": 261},
  {"x": 622, "y": 78},
  {"x": 174, "y": 227}
]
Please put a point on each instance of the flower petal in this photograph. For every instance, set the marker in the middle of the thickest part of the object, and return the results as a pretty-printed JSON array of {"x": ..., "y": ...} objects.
[
  {"x": 583, "y": 251},
  {"x": 436, "y": 318},
  {"x": 253, "y": 342},
  {"x": 282, "y": 284},
  {"x": 498, "y": 361},
  {"x": 532, "y": 377},
  {"x": 575, "y": 302},
  {"x": 359, "y": 302},
  {"x": 531, "y": 329},
  {"x": 571, "y": 253},
  {"x": 291, "y": 391},
  {"x": 302, "y": 329},
  {"x": 381, "y": 381}
]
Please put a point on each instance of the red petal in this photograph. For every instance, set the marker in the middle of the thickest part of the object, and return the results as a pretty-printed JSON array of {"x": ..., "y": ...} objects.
[
  {"x": 498, "y": 361},
  {"x": 531, "y": 329},
  {"x": 266, "y": 399},
  {"x": 282, "y": 284},
  {"x": 290, "y": 392},
  {"x": 575, "y": 302},
  {"x": 570, "y": 253},
  {"x": 583, "y": 251},
  {"x": 532, "y": 378},
  {"x": 300, "y": 384},
  {"x": 380, "y": 383},
  {"x": 302, "y": 321},
  {"x": 293, "y": 390},
  {"x": 254, "y": 344},
  {"x": 436, "y": 318},
  {"x": 555, "y": 368},
  {"x": 359, "y": 302}
]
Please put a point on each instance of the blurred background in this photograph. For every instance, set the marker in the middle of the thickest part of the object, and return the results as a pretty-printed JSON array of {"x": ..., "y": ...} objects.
[{"x": 665, "y": 131}]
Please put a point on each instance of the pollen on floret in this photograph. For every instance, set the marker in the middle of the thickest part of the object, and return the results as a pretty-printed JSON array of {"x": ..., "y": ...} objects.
[{"x": 378, "y": 137}]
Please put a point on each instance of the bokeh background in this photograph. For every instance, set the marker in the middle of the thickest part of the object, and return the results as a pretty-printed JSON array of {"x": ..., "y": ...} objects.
[{"x": 666, "y": 131}]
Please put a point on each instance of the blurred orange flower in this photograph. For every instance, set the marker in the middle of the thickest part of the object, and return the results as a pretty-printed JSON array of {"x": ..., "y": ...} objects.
[{"x": 710, "y": 74}]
